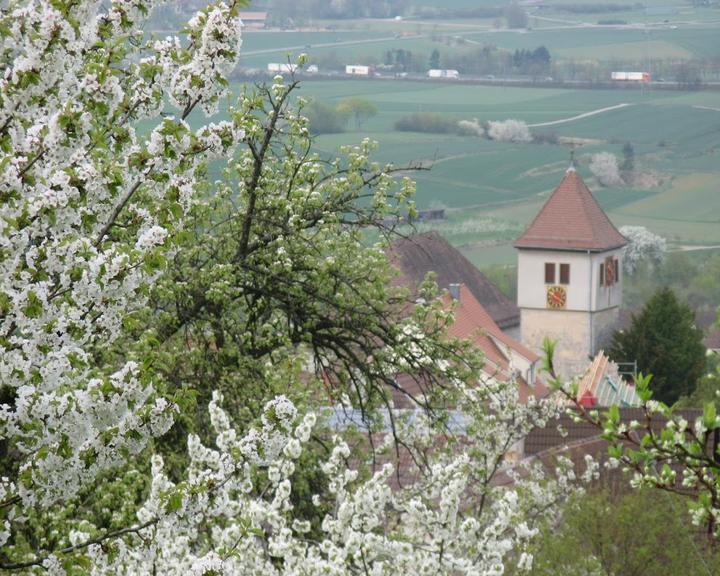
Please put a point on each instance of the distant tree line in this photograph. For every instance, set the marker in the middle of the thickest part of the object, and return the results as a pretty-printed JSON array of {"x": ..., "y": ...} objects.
[
  {"x": 300, "y": 10},
  {"x": 592, "y": 8},
  {"x": 531, "y": 61},
  {"x": 431, "y": 122},
  {"x": 406, "y": 61},
  {"x": 442, "y": 13},
  {"x": 509, "y": 130}
]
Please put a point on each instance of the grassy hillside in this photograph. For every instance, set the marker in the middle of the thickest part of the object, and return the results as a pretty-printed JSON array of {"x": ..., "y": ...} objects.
[
  {"x": 675, "y": 136},
  {"x": 490, "y": 189}
]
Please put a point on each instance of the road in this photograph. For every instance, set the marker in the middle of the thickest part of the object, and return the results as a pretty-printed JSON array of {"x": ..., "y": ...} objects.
[{"x": 579, "y": 116}]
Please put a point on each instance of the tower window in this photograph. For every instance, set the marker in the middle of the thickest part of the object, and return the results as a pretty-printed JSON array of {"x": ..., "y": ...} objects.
[
  {"x": 564, "y": 273},
  {"x": 609, "y": 271},
  {"x": 617, "y": 270},
  {"x": 549, "y": 272}
]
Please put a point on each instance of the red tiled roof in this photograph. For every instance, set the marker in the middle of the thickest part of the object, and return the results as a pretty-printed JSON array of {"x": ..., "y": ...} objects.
[
  {"x": 550, "y": 436},
  {"x": 571, "y": 219},
  {"x": 430, "y": 252},
  {"x": 473, "y": 322}
]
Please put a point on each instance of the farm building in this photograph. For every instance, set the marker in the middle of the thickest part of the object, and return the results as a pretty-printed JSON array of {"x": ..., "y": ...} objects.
[
  {"x": 280, "y": 68},
  {"x": 630, "y": 76},
  {"x": 253, "y": 19},
  {"x": 429, "y": 252}
]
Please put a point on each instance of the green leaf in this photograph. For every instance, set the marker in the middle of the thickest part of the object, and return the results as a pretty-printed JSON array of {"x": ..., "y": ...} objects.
[
  {"x": 174, "y": 502},
  {"x": 709, "y": 415},
  {"x": 34, "y": 307},
  {"x": 613, "y": 414}
]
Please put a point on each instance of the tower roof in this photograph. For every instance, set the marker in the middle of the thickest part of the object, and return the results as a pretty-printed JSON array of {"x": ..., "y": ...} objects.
[{"x": 571, "y": 219}]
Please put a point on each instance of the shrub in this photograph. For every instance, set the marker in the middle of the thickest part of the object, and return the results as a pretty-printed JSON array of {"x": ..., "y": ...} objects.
[
  {"x": 509, "y": 131},
  {"x": 546, "y": 138},
  {"x": 470, "y": 128},
  {"x": 427, "y": 122},
  {"x": 324, "y": 119}
]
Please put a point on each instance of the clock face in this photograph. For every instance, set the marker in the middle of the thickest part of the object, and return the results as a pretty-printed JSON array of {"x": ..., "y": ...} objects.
[{"x": 556, "y": 297}]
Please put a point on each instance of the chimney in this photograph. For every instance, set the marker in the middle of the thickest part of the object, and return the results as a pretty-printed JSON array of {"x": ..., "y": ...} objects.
[{"x": 454, "y": 290}]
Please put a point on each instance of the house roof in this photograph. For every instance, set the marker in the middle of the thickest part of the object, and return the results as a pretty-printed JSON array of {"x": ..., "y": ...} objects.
[
  {"x": 429, "y": 252},
  {"x": 566, "y": 431},
  {"x": 602, "y": 385},
  {"x": 471, "y": 321},
  {"x": 571, "y": 219}
]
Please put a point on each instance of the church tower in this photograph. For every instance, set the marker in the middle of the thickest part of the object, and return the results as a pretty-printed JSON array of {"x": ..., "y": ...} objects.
[{"x": 569, "y": 276}]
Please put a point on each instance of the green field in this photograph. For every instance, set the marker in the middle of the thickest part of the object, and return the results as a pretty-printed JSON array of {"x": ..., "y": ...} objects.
[
  {"x": 491, "y": 190},
  {"x": 687, "y": 33},
  {"x": 675, "y": 139}
]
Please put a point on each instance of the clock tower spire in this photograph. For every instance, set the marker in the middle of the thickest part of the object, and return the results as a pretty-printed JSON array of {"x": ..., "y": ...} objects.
[{"x": 569, "y": 281}]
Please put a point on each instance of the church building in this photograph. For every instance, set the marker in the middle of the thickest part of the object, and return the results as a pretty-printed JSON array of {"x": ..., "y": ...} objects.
[{"x": 569, "y": 277}]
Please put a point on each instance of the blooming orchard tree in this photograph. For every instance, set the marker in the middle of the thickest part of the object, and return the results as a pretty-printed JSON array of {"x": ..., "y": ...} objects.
[
  {"x": 135, "y": 290},
  {"x": 510, "y": 130},
  {"x": 604, "y": 166},
  {"x": 86, "y": 206},
  {"x": 677, "y": 454},
  {"x": 642, "y": 246}
]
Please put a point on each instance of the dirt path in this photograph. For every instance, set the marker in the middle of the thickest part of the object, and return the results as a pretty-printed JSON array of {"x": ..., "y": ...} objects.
[{"x": 580, "y": 116}]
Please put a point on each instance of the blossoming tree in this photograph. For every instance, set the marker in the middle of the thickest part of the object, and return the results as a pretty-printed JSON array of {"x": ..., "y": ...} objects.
[{"x": 137, "y": 294}]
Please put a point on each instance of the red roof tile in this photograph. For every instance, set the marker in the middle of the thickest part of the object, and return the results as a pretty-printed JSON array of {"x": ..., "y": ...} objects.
[{"x": 571, "y": 219}]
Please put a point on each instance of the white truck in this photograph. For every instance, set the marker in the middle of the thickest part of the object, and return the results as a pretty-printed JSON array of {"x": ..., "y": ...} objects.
[
  {"x": 279, "y": 68},
  {"x": 435, "y": 73},
  {"x": 630, "y": 76},
  {"x": 358, "y": 70}
]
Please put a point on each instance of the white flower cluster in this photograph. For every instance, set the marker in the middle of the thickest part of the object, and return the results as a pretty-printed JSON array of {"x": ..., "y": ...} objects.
[
  {"x": 604, "y": 166},
  {"x": 73, "y": 88},
  {"x": 510, "y": 130},
  {"x": 222, "y": 520}
]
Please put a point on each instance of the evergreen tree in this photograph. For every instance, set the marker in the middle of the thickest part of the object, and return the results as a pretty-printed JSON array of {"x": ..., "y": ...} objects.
[
  {"x": 664, "y": 341},
  {"x": 435, "y": 59},
  {"x": 628, "y": 164}
]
